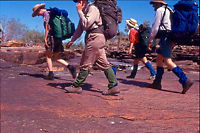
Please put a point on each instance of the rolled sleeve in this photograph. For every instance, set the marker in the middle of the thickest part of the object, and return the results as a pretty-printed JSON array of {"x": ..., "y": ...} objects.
[{"x": 90, "y": 17}]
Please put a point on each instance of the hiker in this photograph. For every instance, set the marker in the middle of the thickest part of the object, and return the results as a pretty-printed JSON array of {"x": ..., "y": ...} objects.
[
  {"x": 165, "y": 50},
  {"x": 1, "y": 34},
  {"x": 135, "y": 38},
  {"x": 94, "y": 52},
  {"x": 53, "y": 45}
]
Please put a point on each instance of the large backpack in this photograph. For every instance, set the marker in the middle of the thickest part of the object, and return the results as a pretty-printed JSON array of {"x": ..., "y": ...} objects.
[
  {"x": 61, "y": 26},
  {"x": 144, "y": 36},
  {"x": 184, "y": 20},
  {"x": 111, "y": 15}
]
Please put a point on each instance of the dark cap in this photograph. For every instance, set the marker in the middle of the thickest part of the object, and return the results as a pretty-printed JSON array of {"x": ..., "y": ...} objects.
[{"x": 75, "y": 1}]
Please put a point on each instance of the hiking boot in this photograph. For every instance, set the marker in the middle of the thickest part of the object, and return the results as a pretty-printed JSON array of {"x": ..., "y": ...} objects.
[
  {"x": 187, "y": 86},
  {"x": 152, "y": 77},
  {"x": 73, "y": 89},
  {"x": 50, "y": 76},
  {"x": 156, "y": 85},
  {"x": 112, "y": 91},
  {"x": 72, "y": 71}
]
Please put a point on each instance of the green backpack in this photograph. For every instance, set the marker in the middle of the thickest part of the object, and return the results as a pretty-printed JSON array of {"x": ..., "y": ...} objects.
[{"x": 61, "y": 25}]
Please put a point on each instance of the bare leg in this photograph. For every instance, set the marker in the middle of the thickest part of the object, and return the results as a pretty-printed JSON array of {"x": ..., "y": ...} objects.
[
  {"x": 144, "y": 60},
  {"x": 150, "y": 67},
  {"x": 49, "y": 60},
  {"x": 61, "y": 61},
  {"x": 170, "y": 64},
  {"x": 159, "y": 60},
  {"x": 71, "y": 68}
]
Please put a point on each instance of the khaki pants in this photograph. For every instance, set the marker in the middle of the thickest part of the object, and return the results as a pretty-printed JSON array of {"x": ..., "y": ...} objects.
[{"x": 94, "y": 52}]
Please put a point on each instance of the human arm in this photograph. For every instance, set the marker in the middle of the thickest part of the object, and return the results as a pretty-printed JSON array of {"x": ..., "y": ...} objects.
[
  {"x": 155, "y": 26},
  {"x": 46, "y": 34},
  {"x": 90, "y": 18},
  {"x": 75, "y": 36},
  {"x": 77, "y": 32},
  {"x": 46, "y": 18},
  {"x": 150, "y": 46},
  {"x": 130, "y": 48}
]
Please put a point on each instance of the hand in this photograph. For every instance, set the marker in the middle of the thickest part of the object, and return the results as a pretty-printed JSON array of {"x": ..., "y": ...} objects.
[
  {"x": 69, "y": 44},
  {"x": 130, "y": 51},
  {"x": 149, "y": 47},
  {"x": 80, "y": 6},
  {"x": 46, "y": 44}
]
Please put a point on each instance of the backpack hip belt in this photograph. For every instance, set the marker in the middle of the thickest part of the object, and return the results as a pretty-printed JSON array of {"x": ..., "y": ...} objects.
[{"x": 96, "y": 30}]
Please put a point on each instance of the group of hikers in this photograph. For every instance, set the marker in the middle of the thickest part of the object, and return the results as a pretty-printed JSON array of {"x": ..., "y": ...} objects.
[{"x": 90, "y": 20}]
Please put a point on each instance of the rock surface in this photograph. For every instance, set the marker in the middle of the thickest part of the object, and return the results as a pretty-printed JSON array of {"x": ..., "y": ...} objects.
[
  {"x": 31, "y": 104},
  {"x": 29, "y": 56}
]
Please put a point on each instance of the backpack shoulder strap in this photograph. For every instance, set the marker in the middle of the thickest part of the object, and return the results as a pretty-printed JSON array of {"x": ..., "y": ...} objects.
[{"x": 161, "y": 23}]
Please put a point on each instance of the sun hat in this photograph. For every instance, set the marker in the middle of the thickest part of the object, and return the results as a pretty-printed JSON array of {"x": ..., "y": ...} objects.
[
  {"x": 36, "y": 8},
  {"x": 158, "y": 1},
  {"x": 132, "y": 23}
]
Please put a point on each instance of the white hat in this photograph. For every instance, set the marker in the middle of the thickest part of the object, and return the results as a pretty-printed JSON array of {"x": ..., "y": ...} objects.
[
  {"x": 132, "y": 23},
  {"x": 36, "y": 8}
]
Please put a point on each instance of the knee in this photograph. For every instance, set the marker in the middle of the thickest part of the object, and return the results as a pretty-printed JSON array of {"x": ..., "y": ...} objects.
[
  {"x": 168, "y": 61},
  {"x": 170, "y": 64}
]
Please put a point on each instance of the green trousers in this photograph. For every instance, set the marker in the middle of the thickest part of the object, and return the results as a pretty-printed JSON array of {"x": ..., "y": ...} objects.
[{"x": 110, "y": 75}]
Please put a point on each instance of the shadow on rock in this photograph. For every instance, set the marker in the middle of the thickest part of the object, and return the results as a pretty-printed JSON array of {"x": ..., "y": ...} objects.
[
  {"x": 143, "y": 85},
  {"x": 59, "y": 85},
  {"x": 86, "y": 87},
  {"x": 37, "y": 75},
  {"x": 169, "y": 91},
  {"x": 133, "y": 82}
]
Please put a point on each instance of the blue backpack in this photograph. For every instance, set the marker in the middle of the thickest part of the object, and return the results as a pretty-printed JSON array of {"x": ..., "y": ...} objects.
[{"x": 184, "y": 20}]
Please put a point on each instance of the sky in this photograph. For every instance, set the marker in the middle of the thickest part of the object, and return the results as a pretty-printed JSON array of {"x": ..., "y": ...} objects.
[{"x": 140, "y": 10}]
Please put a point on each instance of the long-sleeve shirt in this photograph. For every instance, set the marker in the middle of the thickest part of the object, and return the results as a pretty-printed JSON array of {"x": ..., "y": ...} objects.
[
  {"x": 157, "y": 20},
  {"x": 89, "y": 19}
]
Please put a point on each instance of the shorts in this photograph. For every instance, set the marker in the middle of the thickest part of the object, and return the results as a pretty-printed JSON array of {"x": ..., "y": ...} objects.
[
  {"x": 55, "y": 45},
  {"x": 140, "y": 50},
  {"x": 165, "y": 48}
]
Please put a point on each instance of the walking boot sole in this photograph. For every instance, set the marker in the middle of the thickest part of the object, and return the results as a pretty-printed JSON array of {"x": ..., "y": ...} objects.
[
  {"x": 187, "y": 87},
  {"x": 112, "y": 91},
  {"x": 77, "y": 90}
]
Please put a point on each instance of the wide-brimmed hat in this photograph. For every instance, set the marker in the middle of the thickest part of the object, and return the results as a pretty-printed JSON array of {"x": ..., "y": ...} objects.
[
  {"x": 132, "y": 23},
  {"x": 36, "y": 8},
  {"x": 158, "y": 1}
]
